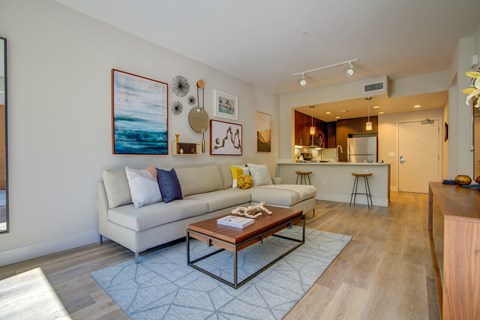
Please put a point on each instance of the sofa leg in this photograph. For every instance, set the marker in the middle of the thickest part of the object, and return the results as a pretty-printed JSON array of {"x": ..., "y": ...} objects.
[
  {"x": 136, "y": 257},
  {"x": 101, "y": 239},
  {"x": 314, "y": 212}
]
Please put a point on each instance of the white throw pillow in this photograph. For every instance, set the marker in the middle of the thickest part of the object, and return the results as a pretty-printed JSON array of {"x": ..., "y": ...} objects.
[
  {"x": 260, "y": 174},
  {"x": 143, "y": 187}
]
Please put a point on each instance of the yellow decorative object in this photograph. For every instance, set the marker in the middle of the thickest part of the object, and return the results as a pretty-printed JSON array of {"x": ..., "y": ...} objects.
[
  {"x": 245, "y": 182},
  {"x": 462, "y": 179},
  {"x": 474, "y": 90}
]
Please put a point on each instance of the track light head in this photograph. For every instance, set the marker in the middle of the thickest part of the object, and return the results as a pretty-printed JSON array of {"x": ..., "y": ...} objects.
[
  {"x": 350, "y": 70},
  {"x": 303, "y": 81}
]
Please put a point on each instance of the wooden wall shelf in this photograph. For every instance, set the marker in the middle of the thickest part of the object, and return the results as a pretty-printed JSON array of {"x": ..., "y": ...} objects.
[{"x": 186, "y": 148}]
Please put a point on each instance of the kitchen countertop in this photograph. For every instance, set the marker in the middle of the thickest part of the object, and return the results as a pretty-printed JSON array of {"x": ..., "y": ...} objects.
[{"x": 333, "y": 163}]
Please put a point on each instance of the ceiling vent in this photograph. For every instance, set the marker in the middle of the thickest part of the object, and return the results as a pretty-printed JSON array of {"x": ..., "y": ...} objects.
[{"x": 376, "y": 87}]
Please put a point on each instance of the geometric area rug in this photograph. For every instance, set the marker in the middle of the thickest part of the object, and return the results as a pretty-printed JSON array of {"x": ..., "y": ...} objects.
[{"x": 162, "y": 286}]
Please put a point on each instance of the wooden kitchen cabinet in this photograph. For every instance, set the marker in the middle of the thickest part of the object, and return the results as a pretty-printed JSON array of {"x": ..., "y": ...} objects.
[
  {"x": 303, "y": 123},
  {"x": 454, "y": 232},
  {"x": 353, "y": 126}
]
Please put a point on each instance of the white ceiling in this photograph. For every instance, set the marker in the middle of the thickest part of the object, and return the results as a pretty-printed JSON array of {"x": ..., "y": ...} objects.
[
  {"x": 264, "y": 42},
  {"x": 357, "y": 108}
]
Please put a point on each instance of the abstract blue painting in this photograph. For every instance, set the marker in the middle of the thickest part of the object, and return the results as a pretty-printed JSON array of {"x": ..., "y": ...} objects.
[{"x": 140, "y": 114}]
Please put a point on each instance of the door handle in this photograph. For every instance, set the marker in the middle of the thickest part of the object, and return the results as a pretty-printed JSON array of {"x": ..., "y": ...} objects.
[{"x": 402, "y": 159}]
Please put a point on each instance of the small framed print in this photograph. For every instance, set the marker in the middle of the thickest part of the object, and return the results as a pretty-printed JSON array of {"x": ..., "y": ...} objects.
[
  {"x": 226, "y": 105},
  {"x": 225, "y": 138},
  {"x": 264, "y": 132}
]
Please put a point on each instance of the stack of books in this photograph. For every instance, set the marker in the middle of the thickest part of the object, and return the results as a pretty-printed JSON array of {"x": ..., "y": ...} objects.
[{"x": 235, "y": 221}]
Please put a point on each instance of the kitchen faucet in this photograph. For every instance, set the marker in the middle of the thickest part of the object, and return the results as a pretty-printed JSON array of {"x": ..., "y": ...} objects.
[{"x": 341, "y": 151}]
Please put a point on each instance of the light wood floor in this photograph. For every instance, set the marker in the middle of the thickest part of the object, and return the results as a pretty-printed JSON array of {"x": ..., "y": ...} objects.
[{"x": 385, "y": 272}]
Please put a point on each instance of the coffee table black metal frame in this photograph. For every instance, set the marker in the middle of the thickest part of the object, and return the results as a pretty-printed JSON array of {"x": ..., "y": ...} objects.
[{"x": 235, "y": 284}]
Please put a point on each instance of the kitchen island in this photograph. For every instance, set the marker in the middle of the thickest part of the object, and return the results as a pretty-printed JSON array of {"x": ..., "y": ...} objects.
[{"x": 334, "y": 180}]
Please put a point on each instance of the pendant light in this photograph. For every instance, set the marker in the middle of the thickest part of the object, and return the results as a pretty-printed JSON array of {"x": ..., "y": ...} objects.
[
  {"x": 368, "y": 125},
  {"x": 313, "y": 129}
]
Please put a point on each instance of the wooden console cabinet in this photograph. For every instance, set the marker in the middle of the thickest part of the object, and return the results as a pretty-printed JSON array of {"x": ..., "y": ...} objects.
[{"x": 454, "y": 228}]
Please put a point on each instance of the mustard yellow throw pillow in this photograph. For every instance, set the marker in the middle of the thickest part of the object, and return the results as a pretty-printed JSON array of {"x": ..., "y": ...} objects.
[
  {"x": 245, "y": 182},
  {"x": 237, "y": 171}
]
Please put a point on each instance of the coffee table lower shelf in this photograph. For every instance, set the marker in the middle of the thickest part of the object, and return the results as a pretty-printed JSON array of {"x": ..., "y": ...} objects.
[{"x": 235, "y": 248}]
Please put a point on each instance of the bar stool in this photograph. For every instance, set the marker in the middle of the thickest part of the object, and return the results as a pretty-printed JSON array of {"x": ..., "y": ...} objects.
[
  {"x": 367, "y": 188},
  {"x": 303, "y": 175}
]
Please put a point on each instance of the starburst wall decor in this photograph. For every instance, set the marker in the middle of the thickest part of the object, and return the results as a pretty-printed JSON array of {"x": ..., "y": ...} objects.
[
  {"x": 180, "y": 86},
  {"x": 176, "y": 107},
  {"x": 192, "y": 100}
]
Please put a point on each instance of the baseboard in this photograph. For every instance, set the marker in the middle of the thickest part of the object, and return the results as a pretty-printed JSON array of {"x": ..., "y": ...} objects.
[{"x": 41, "y": 249}]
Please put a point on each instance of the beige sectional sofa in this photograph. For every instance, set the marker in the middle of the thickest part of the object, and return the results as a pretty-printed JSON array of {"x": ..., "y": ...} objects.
[{"x": 207, "y": 193}]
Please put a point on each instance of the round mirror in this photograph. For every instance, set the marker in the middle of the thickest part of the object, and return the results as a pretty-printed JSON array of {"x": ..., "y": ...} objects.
[{"x": 198, "y": 119}]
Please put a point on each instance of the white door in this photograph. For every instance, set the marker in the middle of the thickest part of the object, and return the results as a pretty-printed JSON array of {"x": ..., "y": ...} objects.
[{"x": 419, "y": 155}]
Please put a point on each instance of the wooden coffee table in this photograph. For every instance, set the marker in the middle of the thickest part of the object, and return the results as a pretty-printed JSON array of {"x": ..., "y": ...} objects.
[{"x": 236, "y": 239}]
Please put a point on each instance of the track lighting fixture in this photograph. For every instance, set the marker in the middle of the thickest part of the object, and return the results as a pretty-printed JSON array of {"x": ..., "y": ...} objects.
[
  {"x": 303, "y": 81},
  {"x": 349, "y": 72}
]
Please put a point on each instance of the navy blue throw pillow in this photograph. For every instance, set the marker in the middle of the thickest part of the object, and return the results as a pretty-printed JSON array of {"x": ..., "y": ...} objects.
[{"x": 169, "y": 185}]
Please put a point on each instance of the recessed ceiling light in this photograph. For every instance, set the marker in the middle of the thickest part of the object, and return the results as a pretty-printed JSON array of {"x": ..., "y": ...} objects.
[
  {"x": 417, "y": 106},
  {"x": 381, "y": 112},
  {"x": 337, "y": 117},
  {"x": 328, "y": 112},
  {"x": 376, "y": 107}
]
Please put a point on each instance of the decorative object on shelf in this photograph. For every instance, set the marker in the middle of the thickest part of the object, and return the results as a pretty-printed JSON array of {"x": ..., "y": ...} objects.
[
  {"x": 176, "y": 107},
  {"x": 264, "y": 132},
  {"x": 192, "y": 100},
  {"x": 180, "y": 86},
  {"x": 226, "y": 105},
  {"x": 473, "y": 90},
  {"x": 252, "y": 211},
  {"x": 225, "y": 138},
  {"x": 477, "y": 180},
  {"x": 462, "y": 179},
  {"x": 139, "y": 112}
]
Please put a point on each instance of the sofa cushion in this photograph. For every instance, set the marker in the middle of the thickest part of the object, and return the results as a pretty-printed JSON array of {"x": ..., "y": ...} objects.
[
  {"x": 116, "y": 187},
  {"x": 283, "y": 194},
  {"x": 226, "y": 175},
  {"x": 260, "y": 174},
  {"x": 155, "y": 214},
  {"x": 221, "y": 199},
  {"x": 169, "y": 185},
  {"x": 195, "y": 180},
  {"x": 143, "y": 187}
]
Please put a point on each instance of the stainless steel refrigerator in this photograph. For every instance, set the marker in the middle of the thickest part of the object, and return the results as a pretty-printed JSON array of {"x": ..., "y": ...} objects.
[{"x": 362, "y": 149}]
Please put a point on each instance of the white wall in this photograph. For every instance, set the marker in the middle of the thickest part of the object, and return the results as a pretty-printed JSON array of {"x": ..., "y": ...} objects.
[
  {"x": 388, "y": 137},
  {"x": 60, "y": 63},
  {"x": 460, "y": 150}
]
